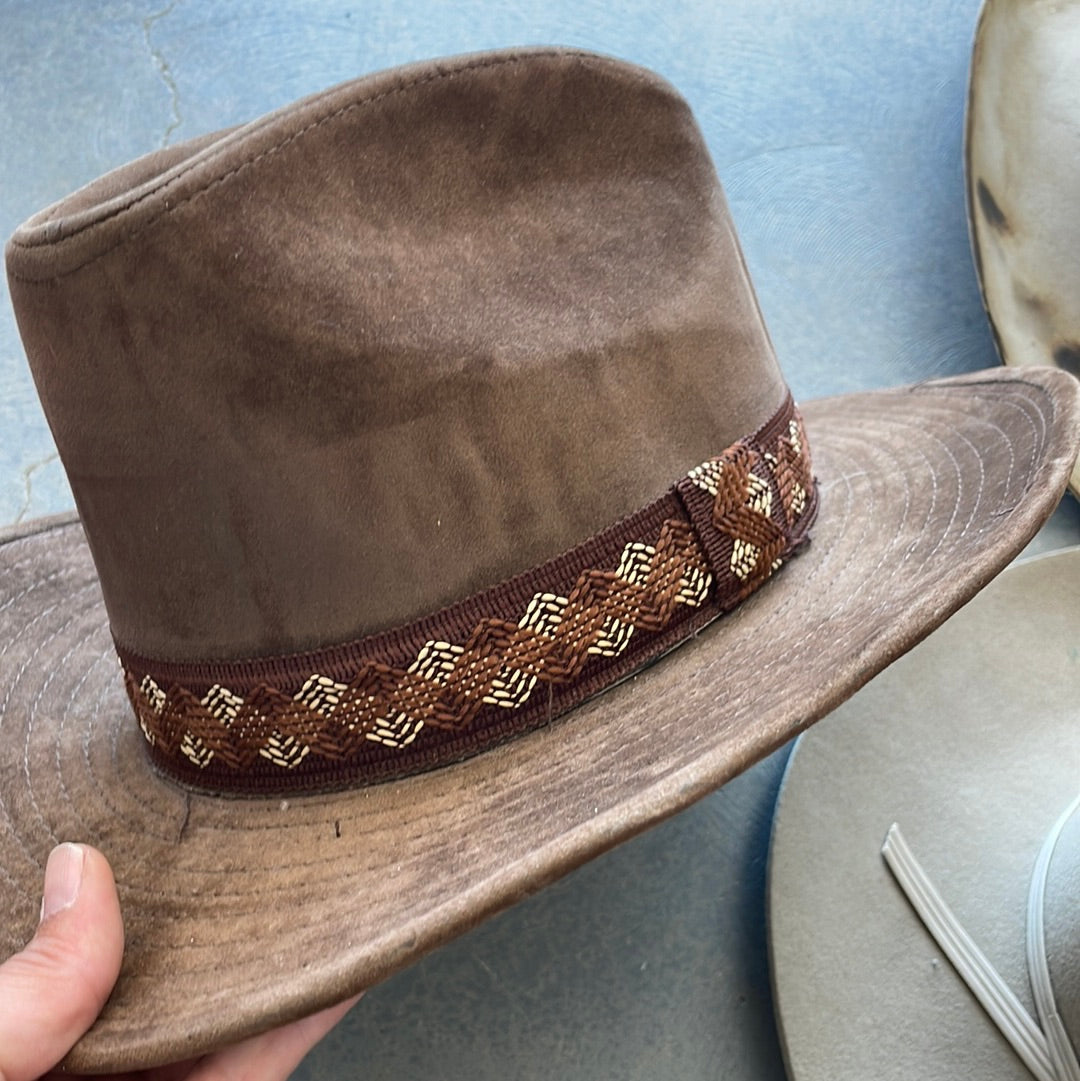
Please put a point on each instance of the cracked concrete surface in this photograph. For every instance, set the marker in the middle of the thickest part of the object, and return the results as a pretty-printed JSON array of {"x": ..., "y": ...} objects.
[
  {"x": 164, "y": 70},
  {"x": 28, "y": 483}
]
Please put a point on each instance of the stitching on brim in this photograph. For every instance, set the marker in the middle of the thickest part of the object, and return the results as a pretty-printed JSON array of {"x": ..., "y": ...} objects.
[{"x": 585, "y": 57}]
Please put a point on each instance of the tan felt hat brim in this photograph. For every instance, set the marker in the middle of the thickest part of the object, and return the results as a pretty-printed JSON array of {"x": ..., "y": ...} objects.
[
  {"x": 971, "y": 744},
  {"x": 241, "y": 914}
]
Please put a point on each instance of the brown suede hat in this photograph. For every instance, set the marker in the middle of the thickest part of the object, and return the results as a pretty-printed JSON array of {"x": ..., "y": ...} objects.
[{"x": 401, "y": 423}]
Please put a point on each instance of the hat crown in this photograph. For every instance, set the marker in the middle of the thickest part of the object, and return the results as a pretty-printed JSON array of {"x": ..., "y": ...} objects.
[{"x": 393, "y": 344}]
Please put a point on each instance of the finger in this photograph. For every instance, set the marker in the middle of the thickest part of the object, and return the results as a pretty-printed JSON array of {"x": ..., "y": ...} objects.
[
  {"x": 274, "y": 1055},
  {"x": 54, "y": 988}
]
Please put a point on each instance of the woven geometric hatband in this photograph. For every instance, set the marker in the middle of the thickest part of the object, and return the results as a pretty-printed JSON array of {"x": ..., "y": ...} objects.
[{"x": 498, "y": 663}]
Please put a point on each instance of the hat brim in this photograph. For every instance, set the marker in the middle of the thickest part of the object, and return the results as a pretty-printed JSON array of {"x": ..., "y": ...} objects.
[
  {"x": 242, "y": 914},
  {"x": 970, "y": 744},
  {"x": 648, "y": 962}
]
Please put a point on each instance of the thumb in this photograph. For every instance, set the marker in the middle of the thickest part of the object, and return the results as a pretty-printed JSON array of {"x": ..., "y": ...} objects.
[{"x": 52, "y": 991}]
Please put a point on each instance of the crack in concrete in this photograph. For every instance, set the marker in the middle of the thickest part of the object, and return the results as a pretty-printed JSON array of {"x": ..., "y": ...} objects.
[
  {"x": 164, "y": 70},
  {"x": 28, "y": 484}
]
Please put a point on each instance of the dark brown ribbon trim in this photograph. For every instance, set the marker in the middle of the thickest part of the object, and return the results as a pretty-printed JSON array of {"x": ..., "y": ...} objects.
[{"x": 496, "y": 664}]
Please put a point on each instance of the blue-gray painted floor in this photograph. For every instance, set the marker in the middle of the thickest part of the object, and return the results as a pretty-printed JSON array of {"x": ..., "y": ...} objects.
[{"x": 836, "y": 126}]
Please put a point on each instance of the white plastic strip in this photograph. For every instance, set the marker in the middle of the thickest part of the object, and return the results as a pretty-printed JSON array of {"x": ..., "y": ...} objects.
[
  {"x": 1058, "y": 1042},
  {"x": 970, "y": 962}
]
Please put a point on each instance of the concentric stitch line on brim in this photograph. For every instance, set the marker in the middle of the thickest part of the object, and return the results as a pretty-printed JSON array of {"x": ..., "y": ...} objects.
[
  {"x": 971, "y": 745},
  {"x": 241, "y": 915}
]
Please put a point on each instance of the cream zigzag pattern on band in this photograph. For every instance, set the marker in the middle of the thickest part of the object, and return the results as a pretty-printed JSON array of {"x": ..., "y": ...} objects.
[
  {"x": 747, "y": 531},
  {"x": 745, "y": 554},
  {"x": 436, "y": 663}
]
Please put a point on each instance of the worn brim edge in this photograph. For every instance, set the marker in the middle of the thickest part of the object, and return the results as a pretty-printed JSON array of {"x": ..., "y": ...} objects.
[
  {"x": 970, "y": 744},
  {"x": 241, "y": 915}
]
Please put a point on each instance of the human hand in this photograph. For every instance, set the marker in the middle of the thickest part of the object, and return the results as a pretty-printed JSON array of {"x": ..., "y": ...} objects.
[{"x": 54, "y": 989}]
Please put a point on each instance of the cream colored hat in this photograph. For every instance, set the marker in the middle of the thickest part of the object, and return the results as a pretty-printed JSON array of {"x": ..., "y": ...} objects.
[
  {"x": 964, "y": 758},
  {"x": 1023, "y": 145}
]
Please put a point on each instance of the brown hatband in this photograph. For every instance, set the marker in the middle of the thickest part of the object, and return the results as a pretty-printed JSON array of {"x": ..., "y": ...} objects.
[{"x": 498, "y": 663}]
